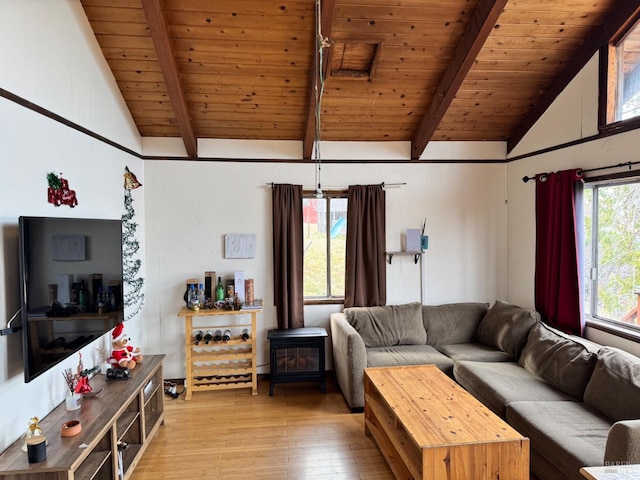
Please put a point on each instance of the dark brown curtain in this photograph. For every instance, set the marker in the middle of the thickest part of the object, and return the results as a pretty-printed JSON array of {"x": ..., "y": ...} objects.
[
  {"x": 557, "y": 277},
  {"x": 288, "y": 257},
  {"x": 366, "y": 267}
]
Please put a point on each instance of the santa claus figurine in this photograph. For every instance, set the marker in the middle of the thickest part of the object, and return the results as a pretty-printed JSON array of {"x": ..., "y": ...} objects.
[{"x": 123, "y": 355}]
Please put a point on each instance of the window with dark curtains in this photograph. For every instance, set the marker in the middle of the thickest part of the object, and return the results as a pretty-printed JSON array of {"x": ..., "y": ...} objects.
[
  {"x": 365, "y": 270},
  {"x": 557, "y": 275},
  {"x": 288, "y": 256}
]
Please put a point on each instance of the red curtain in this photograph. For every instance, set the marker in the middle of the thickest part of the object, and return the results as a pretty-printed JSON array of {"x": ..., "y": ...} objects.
[
  {"x": 557, "y": 276},
  {"x": 288, "y": 255},
  {"x": 365, "y": 269}
]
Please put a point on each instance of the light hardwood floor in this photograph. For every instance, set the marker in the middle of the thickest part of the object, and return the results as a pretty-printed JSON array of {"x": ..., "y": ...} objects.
[{"x": 299, "y": 433}]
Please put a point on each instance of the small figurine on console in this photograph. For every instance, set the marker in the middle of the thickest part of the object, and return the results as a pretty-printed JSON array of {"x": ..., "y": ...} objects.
[{"x": 123, "y": 355}]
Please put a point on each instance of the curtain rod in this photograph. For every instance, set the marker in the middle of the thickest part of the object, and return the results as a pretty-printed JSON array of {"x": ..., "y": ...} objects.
[
  {"x": 384, "y": 184},
  {"x": 581, "y": 171}
]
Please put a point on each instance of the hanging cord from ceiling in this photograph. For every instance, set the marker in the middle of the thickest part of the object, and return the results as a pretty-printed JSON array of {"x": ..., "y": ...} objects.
[{"x": 321, "y": 44}]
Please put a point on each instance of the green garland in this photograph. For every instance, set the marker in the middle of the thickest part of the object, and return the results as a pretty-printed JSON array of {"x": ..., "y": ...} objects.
[{"x": 134, "y": 296}]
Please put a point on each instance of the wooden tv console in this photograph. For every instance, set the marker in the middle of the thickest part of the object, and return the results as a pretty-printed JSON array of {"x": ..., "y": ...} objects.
[{"x": 130, "y": 411}]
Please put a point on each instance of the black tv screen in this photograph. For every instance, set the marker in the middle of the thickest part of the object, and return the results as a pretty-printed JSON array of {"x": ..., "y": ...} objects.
[{"x": 71, "y": 286}]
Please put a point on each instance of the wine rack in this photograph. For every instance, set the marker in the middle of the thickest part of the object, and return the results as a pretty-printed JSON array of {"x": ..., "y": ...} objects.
[{"x": 221, "y": 365}]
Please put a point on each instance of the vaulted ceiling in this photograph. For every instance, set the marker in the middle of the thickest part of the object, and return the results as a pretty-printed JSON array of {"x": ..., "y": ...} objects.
[{"x": 393, "y": 70}]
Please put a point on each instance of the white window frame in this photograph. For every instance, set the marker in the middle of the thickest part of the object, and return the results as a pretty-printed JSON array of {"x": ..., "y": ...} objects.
[
  {"x": 591, "y": 276},
  {"x": 329, "y": 298}
]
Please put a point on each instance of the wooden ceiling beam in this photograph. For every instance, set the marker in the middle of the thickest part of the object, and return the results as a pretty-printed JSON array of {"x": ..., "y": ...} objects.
[
  {"x": 162, "y": 43},
  {"x": 478, "y": 29},
  {"x": 619, "y": 17},
  {"x": 327, "y": 8}
]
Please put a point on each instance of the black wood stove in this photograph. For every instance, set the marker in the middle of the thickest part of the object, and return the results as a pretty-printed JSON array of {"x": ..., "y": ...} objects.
[{"x": 297, "y": 355}]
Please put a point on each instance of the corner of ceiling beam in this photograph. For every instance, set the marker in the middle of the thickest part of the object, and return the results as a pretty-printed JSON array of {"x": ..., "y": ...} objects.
[
  {"x": 476, "y": 32},
  {"x": 162, "y": 43}
]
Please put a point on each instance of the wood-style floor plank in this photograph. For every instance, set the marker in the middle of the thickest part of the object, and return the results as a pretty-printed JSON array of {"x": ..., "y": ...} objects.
[{"x": 299, "y": 433}]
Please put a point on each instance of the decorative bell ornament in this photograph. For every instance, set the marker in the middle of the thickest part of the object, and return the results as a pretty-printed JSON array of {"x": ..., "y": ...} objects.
[{"x": 130, "y": 180}]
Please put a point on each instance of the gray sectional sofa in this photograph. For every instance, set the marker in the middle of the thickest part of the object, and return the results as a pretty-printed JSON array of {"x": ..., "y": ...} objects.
[{"x": 578, "y": 402}]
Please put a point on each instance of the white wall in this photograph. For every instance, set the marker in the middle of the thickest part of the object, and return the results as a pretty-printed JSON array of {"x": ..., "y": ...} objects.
[
  {"x": 189, "y": 206},
  {"x": 572, "y": 116},
  {"x": 48, "y": 56}
]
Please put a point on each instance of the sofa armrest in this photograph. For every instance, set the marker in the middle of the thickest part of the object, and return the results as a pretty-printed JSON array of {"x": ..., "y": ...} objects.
[
  {"x": 623, "y": 443},
  {"x": 349, "y": 360}
]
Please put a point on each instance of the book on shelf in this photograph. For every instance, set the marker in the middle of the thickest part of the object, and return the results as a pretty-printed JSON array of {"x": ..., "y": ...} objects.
[{"x": 255, "y": 305}]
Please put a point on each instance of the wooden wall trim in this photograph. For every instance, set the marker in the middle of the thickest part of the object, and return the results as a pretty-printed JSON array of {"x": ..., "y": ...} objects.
[{"x": 23, "y": 102}]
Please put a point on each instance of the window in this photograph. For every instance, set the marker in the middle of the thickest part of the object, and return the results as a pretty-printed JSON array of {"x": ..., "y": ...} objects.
[
  {"x": 325, "y": 235},
  {"x": 612, "y": 251},
  {"x": 622, "y": 71}
]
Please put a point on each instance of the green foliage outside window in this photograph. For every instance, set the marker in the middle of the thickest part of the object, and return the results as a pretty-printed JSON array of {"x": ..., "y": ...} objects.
[{"x": 617, "y": 257}]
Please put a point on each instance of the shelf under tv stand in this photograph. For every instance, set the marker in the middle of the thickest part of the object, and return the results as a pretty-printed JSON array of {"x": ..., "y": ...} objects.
[{"x": 126, "y": 410}]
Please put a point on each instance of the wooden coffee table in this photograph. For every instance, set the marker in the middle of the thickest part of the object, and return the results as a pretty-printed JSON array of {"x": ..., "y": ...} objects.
[
  {"x": 428, "y": 427},
  {"x": 613, "y": 472}
]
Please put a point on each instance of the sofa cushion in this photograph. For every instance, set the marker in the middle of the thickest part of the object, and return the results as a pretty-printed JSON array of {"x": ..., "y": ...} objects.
[
  {"x": 614, "y": 387},
  {"x": 560, "y": 360},
  {"x": 388, "y": 325},
  {"x": 496, "y": 384},
  {"x": 506, "y": 326},
  {"x": 476, "y": 352},
  {"x": 623, "y": 443},
  {"x": 398, "y": 355},
  {"x": 570, "y": 435},
  {"x": 453, "y": 322}
]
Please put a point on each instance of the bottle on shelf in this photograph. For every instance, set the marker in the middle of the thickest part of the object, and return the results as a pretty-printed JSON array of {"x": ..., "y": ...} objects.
[
  {"x": 219, "y": 290},
  {"x": 217, "y": 336},
  {"x": 245, "y": 334},
  {"x": 100, "y": 302},
  {"x": 207, "y": 337},
  {"x": 201, "y": 297},
  {"x": 199, "y": 336},
  {"x": 82, "y": 295},
  {"x": 112, "y": 298},
  {"x": 226, "y": 336},
  {"x": 194, "y": 301}
]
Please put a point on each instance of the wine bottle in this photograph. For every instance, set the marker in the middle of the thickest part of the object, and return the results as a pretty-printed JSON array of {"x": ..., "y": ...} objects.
[
  {"x": 217, "y": 336},
  {"x": 201, "y": 298},
  {"x": 199, "y": 336},
  {"x": 82, "y": 295},
  {"x": 245, "y": 334},
  {"x": 219, "y": 290},
  {"x": 194, "y": 301},
  {"x": 207, "y": 337},
  {"x": 226, "y": 336}
]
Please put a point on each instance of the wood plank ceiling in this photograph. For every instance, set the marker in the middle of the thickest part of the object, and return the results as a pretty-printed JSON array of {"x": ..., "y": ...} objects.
[{"x": 395, "y": 70}]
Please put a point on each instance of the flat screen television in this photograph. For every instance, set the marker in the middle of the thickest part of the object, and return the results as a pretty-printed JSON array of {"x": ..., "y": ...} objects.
[{"x": 71, "y": 286}]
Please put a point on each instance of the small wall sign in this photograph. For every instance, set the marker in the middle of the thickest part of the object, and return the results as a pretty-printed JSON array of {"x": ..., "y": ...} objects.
[{"x": 239, "y": 245}]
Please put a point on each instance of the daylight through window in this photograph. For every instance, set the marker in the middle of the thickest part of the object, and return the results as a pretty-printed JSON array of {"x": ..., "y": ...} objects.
[
  {"x": 623, "y": 76},
  {"x": 612, "y": 252},
  {"x": 325, "y": 235}
]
